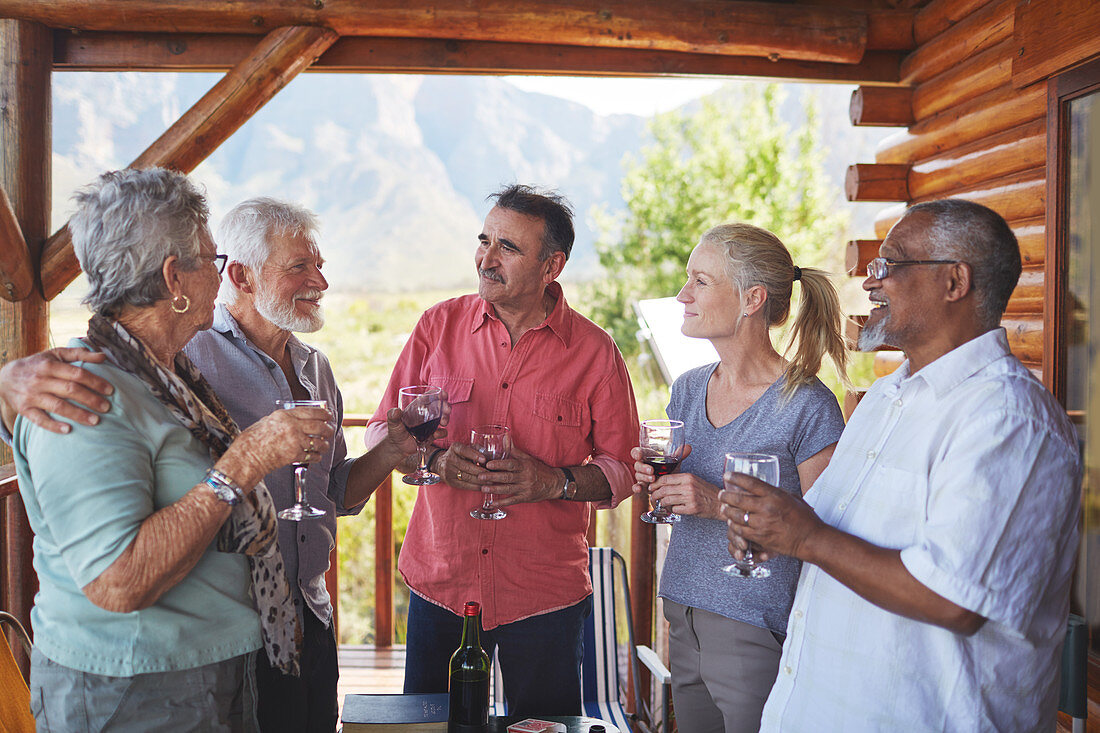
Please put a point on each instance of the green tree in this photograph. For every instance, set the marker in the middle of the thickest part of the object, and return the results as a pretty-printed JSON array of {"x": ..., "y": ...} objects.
[{"x": 734, "y": 159}]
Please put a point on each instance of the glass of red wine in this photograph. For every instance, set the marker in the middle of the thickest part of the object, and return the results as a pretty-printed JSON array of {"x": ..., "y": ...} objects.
[
  {"x": 302, "y": 508},
  {"x": 492, "y": 442},
  {"x": 765, "y": 467},
  {"x": 662, "y": 444},
  {"x": 422, "y": 409}
]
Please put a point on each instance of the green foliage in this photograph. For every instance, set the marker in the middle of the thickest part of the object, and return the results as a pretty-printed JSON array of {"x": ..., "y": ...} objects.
[{"x": 733, "y": 160}]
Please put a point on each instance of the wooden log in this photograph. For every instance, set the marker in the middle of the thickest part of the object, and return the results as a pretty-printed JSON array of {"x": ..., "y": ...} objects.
[
  {"x": 978, "y": 75},
  {"x": 1025, "y": 337},
  {"x": 703, "y": 26},
  {"x": 1030, "y": 294},
  {"x": 877, "y": 182},
  {"x": 997, "y": 111},
  {"x": 1017, "y": 196},
  {"x": 383, "y": 563},
  {"x": 980, "y": 30},
  {"x": 881, "y": 107},
  {"x": 1030, "y": 234},
  {"x": 890, "y": 29},
  {"x": 92, "y": 51},
  {"x": 1053, "y": 36},
  {"x": 16, "y": 274},
  {"x": 939, "y": 15},
  {"x": 25, "y": 130},
  {"x": 275, "y": 60},
  {"x": 858, "y": 253},
  {"x": 1012, "y": 151},
  {"x": 643, "y": 559}
]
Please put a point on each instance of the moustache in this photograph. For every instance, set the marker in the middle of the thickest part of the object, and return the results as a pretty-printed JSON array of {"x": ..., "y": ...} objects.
[
  {"x": 310, "y": 295},
  {"x": 491, "y": 275}
]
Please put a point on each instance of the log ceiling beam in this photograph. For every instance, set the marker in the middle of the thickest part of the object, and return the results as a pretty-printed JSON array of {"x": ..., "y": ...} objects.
[
  {"x": 722, "y": 27},
  {"x": 274, "y": 61},
  {"x": 107, "y": 51},
  {"x": 16, "y": 272}
]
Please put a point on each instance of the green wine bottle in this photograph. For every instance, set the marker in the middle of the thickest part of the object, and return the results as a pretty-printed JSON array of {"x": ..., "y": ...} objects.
[{"x": 469, "y": 679}]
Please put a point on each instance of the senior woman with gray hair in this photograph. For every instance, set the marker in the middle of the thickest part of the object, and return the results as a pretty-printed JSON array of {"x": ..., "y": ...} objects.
[{"x": 155, "y": 538}]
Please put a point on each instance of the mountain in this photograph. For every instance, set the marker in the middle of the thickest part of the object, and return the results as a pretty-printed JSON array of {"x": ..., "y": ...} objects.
[{"x": 398, "y": 167}]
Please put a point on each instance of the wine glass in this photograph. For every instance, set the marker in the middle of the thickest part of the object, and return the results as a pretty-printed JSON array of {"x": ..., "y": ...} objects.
[
  {"x": 662, "y": 444},
  {"x": 301, "y": 509},
  {"x": 766, "y": 468},
  {"x": 492, "y": 442},
  {"x": 422, "y": 409}
]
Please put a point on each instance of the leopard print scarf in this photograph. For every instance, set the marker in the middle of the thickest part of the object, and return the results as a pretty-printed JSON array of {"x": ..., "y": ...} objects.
[{"x": 252, "y": 528}]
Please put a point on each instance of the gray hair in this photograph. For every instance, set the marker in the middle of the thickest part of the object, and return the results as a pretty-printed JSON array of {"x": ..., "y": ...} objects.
[
  {"x": 969, "y": 232},
  {"x": 245, "y": 232},
  {"x": 554, "y": 209},
  {"x": 126, "y": 225}
]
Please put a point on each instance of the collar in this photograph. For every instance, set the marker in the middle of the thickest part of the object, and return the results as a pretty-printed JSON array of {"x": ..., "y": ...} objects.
[
  {"x": 226, "y": 324},
  {"x": 959, "y": 364},
  {"x": 560, "y": 321}
]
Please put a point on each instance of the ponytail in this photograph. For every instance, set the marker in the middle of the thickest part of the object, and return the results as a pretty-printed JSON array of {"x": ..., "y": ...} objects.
[{"x": 818, "y": 330}]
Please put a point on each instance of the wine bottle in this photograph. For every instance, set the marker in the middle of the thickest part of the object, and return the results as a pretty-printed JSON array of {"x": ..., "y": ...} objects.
[{"x": 469, "y": 678}]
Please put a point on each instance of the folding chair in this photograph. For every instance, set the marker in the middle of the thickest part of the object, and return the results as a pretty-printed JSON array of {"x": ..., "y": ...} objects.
[
  {"x": 15, "y": 697},
  {"x": 602, "y": 685},
  {"x": 1073, "y": 695}
]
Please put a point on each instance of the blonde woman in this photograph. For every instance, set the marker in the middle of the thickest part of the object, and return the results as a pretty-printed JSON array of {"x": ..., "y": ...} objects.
[{"x": 726, "y": 633}]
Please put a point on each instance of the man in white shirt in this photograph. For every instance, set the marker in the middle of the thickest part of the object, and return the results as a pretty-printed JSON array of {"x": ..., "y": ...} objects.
[{"x": 939, "y": 544}]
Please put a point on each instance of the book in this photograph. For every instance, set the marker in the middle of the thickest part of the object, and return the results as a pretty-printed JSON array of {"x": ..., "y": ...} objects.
[
  {"x": 426, "y": 713},
  {"x": 534, "y": 725}
]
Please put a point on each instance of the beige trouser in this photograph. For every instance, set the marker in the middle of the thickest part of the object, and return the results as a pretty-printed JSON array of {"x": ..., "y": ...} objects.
[{"x": 722, "y": 670}]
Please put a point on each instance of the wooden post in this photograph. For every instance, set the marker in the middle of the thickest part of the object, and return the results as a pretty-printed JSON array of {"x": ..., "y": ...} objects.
[
  {"x": 383, "y": 563},
  {"x": 643, "y": 559},
  {"x": 881, "y": 107},
  {"x": 26, "y": 56},
  {"x": 278, "y": 58},
  {"x": 877, "y": 182},
  {"x": 16, "y": 271}
]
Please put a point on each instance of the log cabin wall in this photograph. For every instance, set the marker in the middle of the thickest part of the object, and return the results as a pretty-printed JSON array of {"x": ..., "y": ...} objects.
[{"x": 969, "y": 134}]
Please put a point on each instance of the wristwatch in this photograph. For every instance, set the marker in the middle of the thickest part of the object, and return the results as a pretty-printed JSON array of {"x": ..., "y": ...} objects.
[
  {"x": 569, "y": 490},
  {"x": 223, "y": 487}
]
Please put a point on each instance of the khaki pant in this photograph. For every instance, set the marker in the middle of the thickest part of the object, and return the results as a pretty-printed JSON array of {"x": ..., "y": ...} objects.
[{"x": 722, "y": 670}]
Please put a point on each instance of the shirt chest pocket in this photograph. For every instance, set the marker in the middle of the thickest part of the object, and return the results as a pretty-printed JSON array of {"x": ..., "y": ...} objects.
[
  {"x": 900, "y": 505},
  {"x": 559, "y": 410},
  {"x": 458, "y": 389}
]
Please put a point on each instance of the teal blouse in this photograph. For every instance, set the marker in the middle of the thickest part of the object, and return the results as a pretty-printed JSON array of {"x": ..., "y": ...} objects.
[{"x": 86, "y": 495}]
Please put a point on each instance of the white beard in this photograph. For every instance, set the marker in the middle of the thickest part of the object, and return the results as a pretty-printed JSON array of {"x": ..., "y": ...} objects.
[
  {"x": 283, "y": 315},
  {"x": 873, "y": 337}
]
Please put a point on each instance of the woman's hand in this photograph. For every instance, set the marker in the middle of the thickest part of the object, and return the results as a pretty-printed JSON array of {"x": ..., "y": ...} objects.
[
  {"x": 686, "y": 493},
  {"x": 302, "y": 434}
]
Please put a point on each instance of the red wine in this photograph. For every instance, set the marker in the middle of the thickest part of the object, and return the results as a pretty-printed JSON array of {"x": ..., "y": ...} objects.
[
  {"x": 661, "y": 465},
  {"x": 424, "y": 431},
  {"x": 469, "y": 678}
]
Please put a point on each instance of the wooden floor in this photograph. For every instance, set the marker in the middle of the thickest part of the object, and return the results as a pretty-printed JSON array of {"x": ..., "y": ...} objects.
[{"x": 368, "y": 669}]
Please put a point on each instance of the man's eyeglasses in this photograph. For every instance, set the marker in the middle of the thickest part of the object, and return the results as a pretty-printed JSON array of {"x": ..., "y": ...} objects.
[{"x": 879, "y": 268}]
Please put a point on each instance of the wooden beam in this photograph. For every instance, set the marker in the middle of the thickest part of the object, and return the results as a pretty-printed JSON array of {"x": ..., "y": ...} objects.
[
  {"x": 92, "y": 51},
  {"x": 939, "y": 15},
  {"x": 275, "y": 60},
  {"x": 25, "y": 130},
  {"x": 1052, "y": 36},
  {"x": 877, "y": 182},
  {"x": 16, "y": 274},
  {"x": 858, "y": 253},
  {"x": 881, "y": 107},
  {"x": 383, "y": 563},
  {"x": 1029, "y": 295},
  {"x": 724, "y": 27}
]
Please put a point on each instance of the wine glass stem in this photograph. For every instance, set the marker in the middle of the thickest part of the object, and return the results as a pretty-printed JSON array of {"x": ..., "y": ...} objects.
[
  {"x": 422, "y": 457},
  {"x": 299, "y": 483}
]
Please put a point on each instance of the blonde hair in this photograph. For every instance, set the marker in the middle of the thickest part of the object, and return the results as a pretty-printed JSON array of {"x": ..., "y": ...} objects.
[{"x": 758, "y": 257}]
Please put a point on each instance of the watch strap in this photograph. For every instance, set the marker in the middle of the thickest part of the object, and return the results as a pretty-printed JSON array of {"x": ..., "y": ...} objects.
[{"x": 570, "y": 480}]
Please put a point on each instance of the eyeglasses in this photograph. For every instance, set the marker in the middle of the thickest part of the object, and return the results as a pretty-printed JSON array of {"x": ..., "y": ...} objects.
[
  {"x": 879, "y": 268},
  {"x": 218, "y": 260}
]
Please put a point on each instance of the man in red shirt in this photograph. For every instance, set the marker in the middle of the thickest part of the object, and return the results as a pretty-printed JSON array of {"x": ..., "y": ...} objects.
[{"x": 514, "y": 354}]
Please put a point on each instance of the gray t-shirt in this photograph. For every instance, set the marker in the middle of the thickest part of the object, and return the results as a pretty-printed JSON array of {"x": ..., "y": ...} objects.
[{"x": 795, "y": 430}]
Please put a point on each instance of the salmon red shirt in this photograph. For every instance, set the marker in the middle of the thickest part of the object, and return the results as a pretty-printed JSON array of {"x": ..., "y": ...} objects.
[{"x": 564, "y": 391}]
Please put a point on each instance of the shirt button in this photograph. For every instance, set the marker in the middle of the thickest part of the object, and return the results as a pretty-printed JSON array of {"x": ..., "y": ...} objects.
[
  {"x": 787, "y": 670},
  {"x": 504, "y": 386},
  {"x": 842, "y": 506},
  {"x": 871, "y": 454},
  {"x": 484, "y": 552},
  {"x": 897, "y": 403},
  {"x": 798, "y": 614}
]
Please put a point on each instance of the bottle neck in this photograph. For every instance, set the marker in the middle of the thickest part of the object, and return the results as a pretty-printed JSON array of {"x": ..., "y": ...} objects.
[{"x": 471, "y": 626}]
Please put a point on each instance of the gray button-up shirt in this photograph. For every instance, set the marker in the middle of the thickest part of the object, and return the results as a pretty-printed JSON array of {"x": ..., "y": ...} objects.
[{"x": 249, "y": 383}]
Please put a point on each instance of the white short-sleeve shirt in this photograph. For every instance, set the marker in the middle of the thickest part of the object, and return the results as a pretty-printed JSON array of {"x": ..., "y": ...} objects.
[{"x": 972, "y": 470}]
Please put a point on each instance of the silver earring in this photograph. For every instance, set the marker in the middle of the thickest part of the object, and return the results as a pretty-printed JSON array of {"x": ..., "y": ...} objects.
[{"x": 744, "y": 315}]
